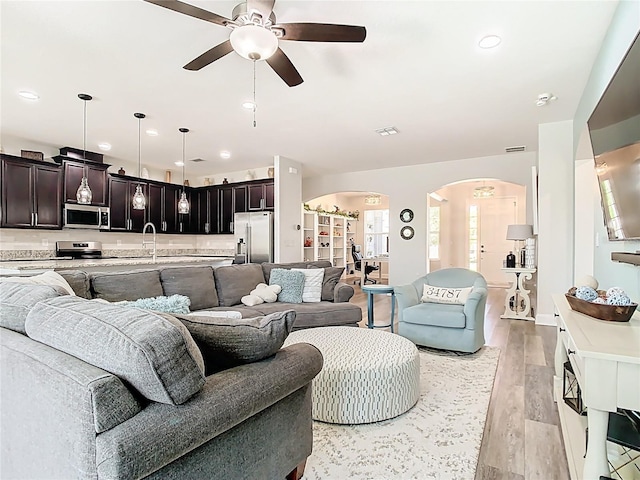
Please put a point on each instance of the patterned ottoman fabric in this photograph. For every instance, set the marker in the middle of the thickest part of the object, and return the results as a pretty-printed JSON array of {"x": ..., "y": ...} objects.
[{"x": 368, "y": 375}]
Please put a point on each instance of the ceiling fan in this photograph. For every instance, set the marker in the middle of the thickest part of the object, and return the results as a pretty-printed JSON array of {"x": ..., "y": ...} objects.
[{"x": 255, "y": 35}]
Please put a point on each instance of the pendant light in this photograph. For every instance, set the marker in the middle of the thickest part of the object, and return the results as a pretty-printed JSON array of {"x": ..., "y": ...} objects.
[
  {"x": 138, "y": 201},
  {"x": 84, "y": 195},
  {"x": 183, "y": 203}
]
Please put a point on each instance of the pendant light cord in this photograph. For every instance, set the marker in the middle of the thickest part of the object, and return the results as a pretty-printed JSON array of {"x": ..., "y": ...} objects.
[
  {"x": 254, "y": 94},
  {"x": 183, "y": 158},
  {"x": 139, "y": 148},
  {"x": 84, "y": 139}
]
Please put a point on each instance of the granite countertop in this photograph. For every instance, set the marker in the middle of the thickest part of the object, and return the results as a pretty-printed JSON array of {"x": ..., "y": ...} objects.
[{"x": 55, "y": 263}]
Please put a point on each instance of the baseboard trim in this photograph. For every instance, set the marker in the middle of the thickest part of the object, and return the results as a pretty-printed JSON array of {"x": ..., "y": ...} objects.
[{"x": 546, "y": 319}]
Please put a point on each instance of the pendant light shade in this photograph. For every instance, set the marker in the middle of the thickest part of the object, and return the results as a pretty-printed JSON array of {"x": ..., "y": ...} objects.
[
  {"x": 138, "y": 201},
  {"x": 84, "y": 195},
  {"x": 183, "y": 203}
]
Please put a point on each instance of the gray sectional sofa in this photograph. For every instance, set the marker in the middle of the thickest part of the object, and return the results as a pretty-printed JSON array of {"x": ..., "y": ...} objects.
[
  {"x": 86, "y": 394},
  {"x": 221, "y": 289}
]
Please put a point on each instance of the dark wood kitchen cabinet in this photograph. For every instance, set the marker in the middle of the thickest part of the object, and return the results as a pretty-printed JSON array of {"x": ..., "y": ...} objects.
[
  {"x": 204, "y": 210},
  {"x": 162, "y": 207},
  {"x": 124, "y": 218},
  {"x": 31, "y": 193},
  {"x": 260, "y": 196},
  {"x": 73, "y": 171}
]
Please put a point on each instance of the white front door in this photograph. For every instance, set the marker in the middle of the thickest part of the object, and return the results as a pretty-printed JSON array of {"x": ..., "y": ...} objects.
[{"x": 494, "y": 214}]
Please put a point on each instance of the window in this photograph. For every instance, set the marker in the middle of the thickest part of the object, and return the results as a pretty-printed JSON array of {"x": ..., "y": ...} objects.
[
  {"x": 376, "y": 232},
  {"x": 473, "y": 237},
  {"x": 434, "y": 232}
]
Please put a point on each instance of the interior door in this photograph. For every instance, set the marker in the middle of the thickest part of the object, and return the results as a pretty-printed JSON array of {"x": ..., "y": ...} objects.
[{"x": 494, "y": 216}]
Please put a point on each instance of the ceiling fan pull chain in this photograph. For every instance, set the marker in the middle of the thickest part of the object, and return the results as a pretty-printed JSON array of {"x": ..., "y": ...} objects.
[{"x": 254, "y": 94}]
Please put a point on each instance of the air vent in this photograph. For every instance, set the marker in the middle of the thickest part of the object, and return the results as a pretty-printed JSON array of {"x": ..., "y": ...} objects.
[
  {"x": 197, "y": 160},
  {"x": 521, "y": 148}
]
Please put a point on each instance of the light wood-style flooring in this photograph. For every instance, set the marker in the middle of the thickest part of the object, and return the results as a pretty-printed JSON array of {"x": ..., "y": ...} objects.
[{"x": 522, "y": 438}]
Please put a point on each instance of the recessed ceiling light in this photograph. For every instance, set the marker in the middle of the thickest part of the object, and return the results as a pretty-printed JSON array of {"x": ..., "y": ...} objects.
[
  {"x": 179, "y": 164},
  {"x": 387, "y": 131},
  {"x": 104, "y": 146},
  {"x": 152, "y": 132},
  {"x": 489, "y": 41},
  {"x": 28, "y": 95},
  {"x": 249, "y": 105},
  {"x": 225, "y": 154}
]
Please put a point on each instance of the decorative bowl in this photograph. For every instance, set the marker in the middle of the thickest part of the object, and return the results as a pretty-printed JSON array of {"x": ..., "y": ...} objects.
[{"x": 611, "y": 313}]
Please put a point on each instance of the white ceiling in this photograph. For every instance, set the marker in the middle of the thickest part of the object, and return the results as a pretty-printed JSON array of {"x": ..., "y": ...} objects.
[{"x": 419, "y": 69}]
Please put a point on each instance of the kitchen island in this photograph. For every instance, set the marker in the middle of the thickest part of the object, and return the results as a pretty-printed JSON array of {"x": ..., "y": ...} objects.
[{"x": 36, "y": 266}]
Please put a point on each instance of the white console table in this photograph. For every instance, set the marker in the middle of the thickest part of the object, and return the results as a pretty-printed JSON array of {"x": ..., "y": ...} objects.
[
  {"x": 605, "y": 357},
  {"x": 518, "y": 277}
]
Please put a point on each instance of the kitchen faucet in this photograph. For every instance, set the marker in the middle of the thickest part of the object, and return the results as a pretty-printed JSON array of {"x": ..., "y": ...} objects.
[{"x": 153, "y": 242}]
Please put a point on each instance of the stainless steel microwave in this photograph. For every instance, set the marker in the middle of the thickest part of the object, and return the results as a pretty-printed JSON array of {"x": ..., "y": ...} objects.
[{"x": 86, "y": 216}]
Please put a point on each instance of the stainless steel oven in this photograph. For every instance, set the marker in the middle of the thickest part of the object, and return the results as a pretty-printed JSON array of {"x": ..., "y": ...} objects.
[{"x": 86, "y": 216}]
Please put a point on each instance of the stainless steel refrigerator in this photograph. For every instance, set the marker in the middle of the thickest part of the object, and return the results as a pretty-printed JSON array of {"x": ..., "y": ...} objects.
[{"x": 253, "y": 233}]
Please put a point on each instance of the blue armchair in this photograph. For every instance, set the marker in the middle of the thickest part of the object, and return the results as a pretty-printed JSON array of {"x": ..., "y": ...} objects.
[{"x": 440, "y": 325}]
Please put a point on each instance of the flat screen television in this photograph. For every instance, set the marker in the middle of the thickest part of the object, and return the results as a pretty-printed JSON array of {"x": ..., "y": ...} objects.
[{"x": 614, "y": 128}]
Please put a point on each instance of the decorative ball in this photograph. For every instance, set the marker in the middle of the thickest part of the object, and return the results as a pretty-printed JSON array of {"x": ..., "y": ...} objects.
[
  {"x": 572, "y": 291},
  {"x": 618, "y": 298},
  {"x": 614, "y": 290},
  {"x": 600, "y": 300},
  {"x": 586, "y": 293},
  {"x": 602, "y": 293},
  {"x": 588, "y": 281}
]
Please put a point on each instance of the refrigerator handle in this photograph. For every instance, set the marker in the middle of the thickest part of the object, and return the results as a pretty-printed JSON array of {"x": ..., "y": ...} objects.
[{"x": 249, "y": 246}]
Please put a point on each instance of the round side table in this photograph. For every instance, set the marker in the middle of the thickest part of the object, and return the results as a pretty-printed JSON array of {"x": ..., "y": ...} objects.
[{"x": 372, "y": 290}]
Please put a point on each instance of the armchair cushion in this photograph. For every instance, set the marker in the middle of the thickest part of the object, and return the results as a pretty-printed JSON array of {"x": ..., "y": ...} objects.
[
  {"x": 455, "y": 295},
  {"x": 436, "y": 314}
]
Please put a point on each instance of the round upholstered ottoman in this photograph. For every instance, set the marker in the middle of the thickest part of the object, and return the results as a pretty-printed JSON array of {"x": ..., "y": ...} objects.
[{"x": 367, "y": 376}]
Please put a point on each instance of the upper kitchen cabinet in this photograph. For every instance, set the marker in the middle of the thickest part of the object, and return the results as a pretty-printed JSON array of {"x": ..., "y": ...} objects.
[
  {"x": 123, "y": 216},
  {"x": 31, "y": 193},
  {"x": 74, "y": 170},
  {"x": 232, "y": 199},
  {"x": 260, "y": 196},
  {"x": 162, "y": 207}
]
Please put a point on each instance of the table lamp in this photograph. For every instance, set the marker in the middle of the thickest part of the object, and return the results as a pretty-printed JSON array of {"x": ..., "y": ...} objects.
[{"x": 519, "y": 233}]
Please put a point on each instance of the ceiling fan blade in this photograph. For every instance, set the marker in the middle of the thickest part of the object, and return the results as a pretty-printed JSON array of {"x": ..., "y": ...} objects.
[
  {"x": 265, "y": 7},
  {"x": 284, "y": 68},
  {"x": 192, "y": 11},
  {"x": 322, "y": 32},
  {"x": 209, "y": 56}
]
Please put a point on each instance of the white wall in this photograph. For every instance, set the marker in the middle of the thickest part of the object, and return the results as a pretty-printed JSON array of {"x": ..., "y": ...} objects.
[
  {"x": 625, "y": 26},
  {"x": 287, "y": 223},
  {"x": 408, "y": 187},
  {"x": 586, "y": 196}
]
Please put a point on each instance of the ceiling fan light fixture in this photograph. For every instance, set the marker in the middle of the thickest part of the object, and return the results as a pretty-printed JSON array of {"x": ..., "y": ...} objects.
[{"x": 253, "y": 42}]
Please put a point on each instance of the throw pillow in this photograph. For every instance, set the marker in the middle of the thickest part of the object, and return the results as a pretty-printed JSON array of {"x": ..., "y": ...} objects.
[
  {"x": 455, "y": 295},
  {"x": 292, "y": 283},
  {"x": 227, "y": 343},
  {"x": 52, "y": 279},
  {"x": 262, "y": 293},
  {"x": 153, "y": 352},
  {"x": 312, "y": 288},
  {"x": 170, "y": 304},
  {"x": 332, "y": 276},
  {"x": 17, "y": 300}
]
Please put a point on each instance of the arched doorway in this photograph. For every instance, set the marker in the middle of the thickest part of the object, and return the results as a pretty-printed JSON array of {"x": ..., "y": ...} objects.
[{"x": 468, "y": 224}]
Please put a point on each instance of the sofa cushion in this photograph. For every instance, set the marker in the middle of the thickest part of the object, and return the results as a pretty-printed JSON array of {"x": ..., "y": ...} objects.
[
  {"x": 17, "y": 299},
  {"x": 118, "y": 286},
  {"x": 436, "y": 314},
  {"x": 235, "y": 281},
  {"x": 78, "y": 280},
  {"x": 312, "y": 287},
  {"x": 292, "y": 283},
  {"x": 245, "y": 312},
  {"x": 267, "y": 267},
  {"x": 51, "y": 278},
  {"x": 226, "y": 343},
  {"x": 151, "y": 351},
  {"x": 331, "y": 278},
  {"x": 323, "y": 314},
  {"x": 197, "y": 283}
]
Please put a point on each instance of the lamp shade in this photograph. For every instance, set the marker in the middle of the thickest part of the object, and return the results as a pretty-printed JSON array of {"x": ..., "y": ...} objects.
[
  {"x": 253, "y": 42},
  {"x": 519, "y": 232}
]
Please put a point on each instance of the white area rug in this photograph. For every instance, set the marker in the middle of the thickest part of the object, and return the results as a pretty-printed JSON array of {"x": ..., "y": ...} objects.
[{"x": 439, "y": 438}]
